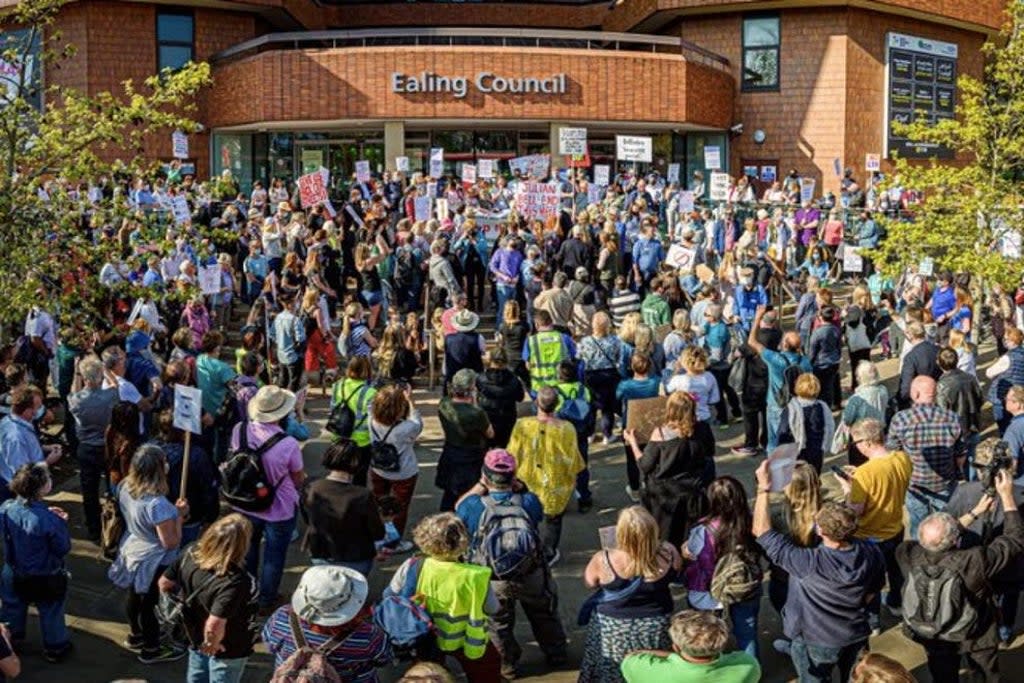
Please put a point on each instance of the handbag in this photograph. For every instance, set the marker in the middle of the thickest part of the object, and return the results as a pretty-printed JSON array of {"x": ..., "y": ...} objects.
[
  {"x": 603, "y": 595},
  {"x": 384, "y": 456},
  {"x": 111, "y": 525},
  {"x": 36, "y": 589},
  {"x": 170, "y": 609},
  {"x": 841, "y": 439}
]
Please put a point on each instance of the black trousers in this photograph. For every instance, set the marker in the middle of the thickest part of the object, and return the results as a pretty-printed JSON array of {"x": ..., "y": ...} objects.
[
  {"x": 141, "y": 609},
  {"x": 90, "y": 473},
  {"x": 944, "y": 662},
  {"x": 727, "y": 393},
  {"x": 831, "y": 393},
  {"x": 755, "y": 425}
]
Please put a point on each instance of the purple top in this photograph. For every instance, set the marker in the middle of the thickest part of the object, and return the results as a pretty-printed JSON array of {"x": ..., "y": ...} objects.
[
  {"x": 506, "y": 262},
  {"x": 804, "y": 216},
  {"x": 280, "y": 462}
]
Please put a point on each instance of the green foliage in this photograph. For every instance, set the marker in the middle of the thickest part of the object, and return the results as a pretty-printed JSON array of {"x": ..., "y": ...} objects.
[
  {"x": 70, "y": 140},
  {"x": 968, "y": 208}
]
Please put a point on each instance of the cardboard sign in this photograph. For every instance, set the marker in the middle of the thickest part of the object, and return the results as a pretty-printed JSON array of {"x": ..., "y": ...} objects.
[
  {"x": 485, "y": 168},
  {"x": 672, "y": 175},
  {"x": 179, "y": 207},
  {"x": 1010, "y": 244},
  {"x": 402, "y": 164},
  {"x": 872, "y": 162},
  {"x": 853, "y": 262},
  {"x": 312, "y": 189},
  {"x": 601, "y": 174},
  {"x": 363, "y": 171},
  {"x": 436, "y": 162},
  {"x": 538, "y": 200},
  {"x": 713, "y": 157},
  {"x": 645, "y": 415},
  {"x": 634, "y": 148},
  {"x": 468, "y": 173},
  {"x": 686, "y": 201},
  {"x": 188, "y": 408},
  {"x": 421, "y": 208},
  {"x": 572, "y": 141},
  {"x": 926, "y": 267},
  {"x": 441, "y": 208},
  {"x": 535, "y": 166},
  {"x": 209, "y": 279},
  {"x": 719, "y": 190},
  {"x": 179, "y": 145},
  {"x": 680, "y": 257},
  {"x": 807, "y": 189}
]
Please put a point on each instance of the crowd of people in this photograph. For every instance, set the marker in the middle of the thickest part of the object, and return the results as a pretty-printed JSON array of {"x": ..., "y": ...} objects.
[{"x": 365, "y": 303}]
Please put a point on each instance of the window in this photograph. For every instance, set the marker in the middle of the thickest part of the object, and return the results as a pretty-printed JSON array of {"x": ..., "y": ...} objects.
[
  {"x": 761, "y": 53},
  {"x": 174, "y": 40}
]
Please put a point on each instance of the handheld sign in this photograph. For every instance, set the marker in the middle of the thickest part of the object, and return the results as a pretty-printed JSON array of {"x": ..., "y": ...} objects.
[
  {"x": 713, "y": 157},
  {"x": 634, "y": 148},
  {"x": 188, "y": 410},
  {"x": 672, "y": 175},
  {"x": 363, "y": 171},
  {"x": 179, "y": 145},
  {"x": 485, "y": 168},
  {"x": 436, "y": 162},
  {"x": 402, "y": 164},
  {"x": 209, "y": 279},
  {"x": 601, "y": 175},
  {"x": 572, "y": 141},
  {"x": 872, "y": 162}
]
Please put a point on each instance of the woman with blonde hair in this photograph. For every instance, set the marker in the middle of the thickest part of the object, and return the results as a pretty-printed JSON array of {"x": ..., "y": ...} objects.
[
  {"x": 320, "y": 354},
  {"x": 807, "y": 422},
  {"x": 512, "y": 335},
  {"x": 356, "y": 339},
  {"x": 372, "y": 291},
  {"x": 213, "y": 571},
  {"x": 794, "y": 518},
  {"x": 676, "y": 467},
  {"x": 637, "y": 571},
  {"x": 600, "y": 353},
  {"x": 395, "y": 361},
  {"x": 641, "y": 342},
  {"x": 966, "y": 353}
]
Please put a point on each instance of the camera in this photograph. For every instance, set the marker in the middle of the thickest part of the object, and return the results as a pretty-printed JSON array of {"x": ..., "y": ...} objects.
[{"x": 1000, "y": 460}]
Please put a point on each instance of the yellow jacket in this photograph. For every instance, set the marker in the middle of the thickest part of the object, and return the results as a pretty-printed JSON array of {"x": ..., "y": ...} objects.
[{"x": 548, "y": 460}]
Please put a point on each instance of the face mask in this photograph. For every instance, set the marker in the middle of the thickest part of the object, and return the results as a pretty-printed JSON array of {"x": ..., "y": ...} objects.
[
  {"x": 747, "y": 281},
  {"x": 40, "y": 411}
]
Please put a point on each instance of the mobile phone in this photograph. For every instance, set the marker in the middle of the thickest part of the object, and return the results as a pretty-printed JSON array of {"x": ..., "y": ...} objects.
[{"x": 840, "y": 472}]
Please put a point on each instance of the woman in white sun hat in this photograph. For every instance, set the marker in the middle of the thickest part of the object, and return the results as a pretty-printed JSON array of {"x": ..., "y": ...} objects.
[{"x": 328, "y": 612}]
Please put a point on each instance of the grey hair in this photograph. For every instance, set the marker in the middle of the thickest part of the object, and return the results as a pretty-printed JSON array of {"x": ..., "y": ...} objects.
[
  {"x": 111, "y": 355},
  {"x": 950, "y": 532},
  {"x": 915, "y": 331},
  {"x": 714, "y": 311},
  {"x": 867, "y": 373},
  {"x": 91, "y": 370}
]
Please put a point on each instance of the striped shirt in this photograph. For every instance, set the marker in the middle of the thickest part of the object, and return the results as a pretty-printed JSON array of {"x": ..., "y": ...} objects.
[
  {"x": 356, "y": 660},
  {"x": 932, "y": 437}
]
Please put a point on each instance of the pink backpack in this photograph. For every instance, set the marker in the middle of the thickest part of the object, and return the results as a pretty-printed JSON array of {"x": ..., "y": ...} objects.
[
  {"x": 308, "y": 664},
  {"x": 698, "y": 574}
]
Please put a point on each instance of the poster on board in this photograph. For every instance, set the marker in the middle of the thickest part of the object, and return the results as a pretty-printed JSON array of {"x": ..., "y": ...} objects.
[
  {"x": 719, "y": 188},
  {"x": 188, "y": 409},
  {"x": 672, "y": 175},
  {"x": 602, "y": 172},
  {"x": 485, "y": 168},
  {"x": 402, "y": 164},
  {"x": 921, "y": 85},
  {"x": 713, "y": 157},
  {"x": 179, "y": 144},
  {"x": 436, "y": 162},
  {"x": 363, "y": 171},
  {"x": 634, "y": 148}
]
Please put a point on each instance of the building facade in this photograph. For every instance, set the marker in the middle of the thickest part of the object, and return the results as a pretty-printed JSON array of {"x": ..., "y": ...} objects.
[{"x": 772, "y": 85}]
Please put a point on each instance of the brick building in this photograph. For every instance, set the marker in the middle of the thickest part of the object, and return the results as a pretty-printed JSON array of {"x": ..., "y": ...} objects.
[{"x": 772, "y": 84}]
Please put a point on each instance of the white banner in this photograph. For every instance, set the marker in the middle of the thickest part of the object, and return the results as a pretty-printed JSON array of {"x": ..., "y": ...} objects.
[
  {"x": 179, "y": 145},
  {"x": 485, "y": 168},
  {"x": 634, "y": 148},
  {"x": 572, "y": 141},
  {"x": 537, "y": 200},
  {"x": 436, "y": 162},
  {"x": 719, "y": 189},
  {"x": 601, "y": 174}
]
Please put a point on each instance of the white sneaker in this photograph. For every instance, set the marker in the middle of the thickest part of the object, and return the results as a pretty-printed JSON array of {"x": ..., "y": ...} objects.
[
  {"x": 782, "y": 646},
  {"x": 555, "y": 558},
  {"x": 634, "y": 495}
]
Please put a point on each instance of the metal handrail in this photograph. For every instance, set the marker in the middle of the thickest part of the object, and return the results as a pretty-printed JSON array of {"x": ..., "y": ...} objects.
[{"x": 504, "y": 37}]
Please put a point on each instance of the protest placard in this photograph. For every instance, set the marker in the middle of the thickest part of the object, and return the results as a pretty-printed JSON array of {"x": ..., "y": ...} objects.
[
  {"x": 179, "y": 144},
  {"x": 853, "y": 262},
  {"x": 363, "y": 171},
  {"x": 645, "y": 415},
  {"x": 712, "y": 157},
  {"x": 926, "y": 267},
  {"x": 436, "y": 162},
  {"x": 312, "y": 189},
  {"x": 402, "y": 164},
  {"x": 441, "y": 208},
  {"x": 673, "y": 173},
  {"x": 468, "y": 173},
  {"x": 209, "y": 279},
  {"x": 685, "y": 201},
  {"x": 634, "y": 148},
  {"x": 872, "y": 162},
  {"x": 538, "y": 200},
  {"x": 188, "y": 408},
  {"x": 719, "y": 190},
  {"x": 680, "y": 257},
  {"x": 534, "y": 166},
  {"x": 485, "y": 168},
  {"x": 179, "y": 207},
  {"x": 602, "y": 172},
  {"x": 421, "y": 208},
  {"x": 572, "y": 141},
  {"x": 768, "y": 174},
  {"x": 807, "y": 190}
]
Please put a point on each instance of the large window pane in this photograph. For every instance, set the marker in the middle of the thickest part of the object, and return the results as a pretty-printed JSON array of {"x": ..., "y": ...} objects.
[
  {"x": 761, "y": 49},
  {"x": 761, "y": 32},
  {"x": 174, "y": 28},
  {"x": 174, "y": 57},
  {"x": 761, "y": 68}
]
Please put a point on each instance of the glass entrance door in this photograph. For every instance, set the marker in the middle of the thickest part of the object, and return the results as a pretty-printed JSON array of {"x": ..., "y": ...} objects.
[{"x": 339, "y": 157}]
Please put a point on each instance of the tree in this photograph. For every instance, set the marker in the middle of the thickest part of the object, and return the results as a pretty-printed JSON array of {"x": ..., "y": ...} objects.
[
  {"x": 970, "y": 210},
  {"x": 56, "y": 138}
]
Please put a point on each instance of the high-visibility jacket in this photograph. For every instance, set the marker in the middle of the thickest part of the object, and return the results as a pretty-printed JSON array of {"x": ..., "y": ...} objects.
[
  {"x": 547, "y": 350},
  {"x": 455, "y": 594}
]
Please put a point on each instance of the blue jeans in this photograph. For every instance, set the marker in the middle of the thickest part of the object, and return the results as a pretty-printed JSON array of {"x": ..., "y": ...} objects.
[
  {"x": 814, "y": 663},
  {"x": 505, "y": 293},
  {"x": 364, "y": 567},
  {"x": 773, "y": 415},
  {"x": 15, "y": 612},
  {"x": 203, "y": 669},
  {"x": 921, "y": 503},
  {"x": 276, "y": 537},
  {"x": 743, "y": 616}
]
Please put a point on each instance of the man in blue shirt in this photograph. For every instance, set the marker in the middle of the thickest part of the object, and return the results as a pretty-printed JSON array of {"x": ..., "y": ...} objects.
[
  {"x": 944, "y": 304},
  {"x": 533, "y": 587},
  {"x": 647, "y": 258},
  {"x": 288, "y": 335},
  {"x": 19, "y": 444},
  {"x": 777, "y": 363},
  {"x": 749, "y": 296},
  {"x": 506, "y": 265}
]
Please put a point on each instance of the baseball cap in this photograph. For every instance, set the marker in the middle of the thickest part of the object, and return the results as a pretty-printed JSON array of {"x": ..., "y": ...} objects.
[{"x": 499, "y": 465}]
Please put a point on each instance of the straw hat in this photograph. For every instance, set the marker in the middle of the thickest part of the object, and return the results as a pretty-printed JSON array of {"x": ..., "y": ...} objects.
[{"x": 270, "y": 404}]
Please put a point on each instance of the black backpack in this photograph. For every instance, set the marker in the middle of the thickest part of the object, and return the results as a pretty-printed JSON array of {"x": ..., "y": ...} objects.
[
  {"x": 384, "y": 456},
  {"x": 343, "y": 420},
  {"x": 937, "y": 605},
  {"x": 789, "y": 376},
  {"x": 405, "y": 268},
  {"x": 244, "y": 483}
]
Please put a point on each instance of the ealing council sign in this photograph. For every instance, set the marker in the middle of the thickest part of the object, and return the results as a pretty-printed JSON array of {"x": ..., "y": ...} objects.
[
  {"x": 921, "y": 85},
  {"x": 484, "y": 82}
]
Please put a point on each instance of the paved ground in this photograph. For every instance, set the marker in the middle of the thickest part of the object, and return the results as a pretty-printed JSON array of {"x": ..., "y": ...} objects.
[{"x": 96, "y": 614}]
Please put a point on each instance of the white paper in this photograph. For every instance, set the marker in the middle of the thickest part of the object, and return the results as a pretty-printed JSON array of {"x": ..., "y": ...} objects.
[
  {"x": 485, "y": 168},
  {"x": 680, "y": 257},
  {"x": 601, "y": 174},
  {"x": 634, "y": 148},
  {"x": 673, "y": 173},
  {"x": 363, "y": 171},
  {"x": 713, "y": 157},
  {"x": 719, "y": 190},
  {"x": 926, "y": 267},
  {"x": 209, "y": 279},
  {"x": 572, "y": 141},
  {"x": 436, "y": 162},
  {"x": 421, "y": 208},
  {"x": 179, "y": 207},
  {"x": 179, "y": 145},
  {"x": 402, "y": 164},
  {"x": 853, "y": 262},
  {"x": 685, "y": 201},
  {"x": 873, "y": 162},
  {"x": 807, "y": 189},
  {"x": 188, "y": 408},
  {"x": 468, "y": 173}
]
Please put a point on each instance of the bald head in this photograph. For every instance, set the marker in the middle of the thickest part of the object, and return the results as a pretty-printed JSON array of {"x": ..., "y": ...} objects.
[
  {"x": 939, "y": 532},
  {"x": 922, "y": 390},
  {"x": 791, "y": 341}
]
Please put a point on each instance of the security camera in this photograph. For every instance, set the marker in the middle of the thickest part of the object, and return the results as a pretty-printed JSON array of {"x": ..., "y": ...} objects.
[
  {"x": 737, "y": 129},
  {"x": 200, "y": 128}
]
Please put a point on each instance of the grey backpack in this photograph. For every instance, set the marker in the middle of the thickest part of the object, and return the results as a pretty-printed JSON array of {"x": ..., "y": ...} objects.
[{"x": 937, "y": 604}]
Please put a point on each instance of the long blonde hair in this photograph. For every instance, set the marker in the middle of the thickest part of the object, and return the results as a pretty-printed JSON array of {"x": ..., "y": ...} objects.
[
  {"x": 637, "y": 535},
  {"x": 627, "y": 330},
  {"x": 681, "y": 413},
  {"x": 362, "y": 255},
  {"x": 224, "y": 544},
  {"x": 803, "y": 500},
  {"x": 354, "y": 311},
  {"x": 391, "y": 342},
  {"x": 643, "y": 340}
]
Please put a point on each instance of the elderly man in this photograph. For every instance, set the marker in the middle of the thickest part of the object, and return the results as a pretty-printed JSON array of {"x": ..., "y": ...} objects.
[
  {"x": 698, "y": 654},
  {"x": 549, "y": 461},
  {"x": 555, "y": 300},
  {"x": 830, "y": 587},
  {"x": 963, "y": 621},
  {"x": 783, "y": 368},
  {"x": 933, "y": 439},
  {"x": 921, "y": 359},
  {"x": 91, "y": 405},
  {"x": 19, "y": 444}
]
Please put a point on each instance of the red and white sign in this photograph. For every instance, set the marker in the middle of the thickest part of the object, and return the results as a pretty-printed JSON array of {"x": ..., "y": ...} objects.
[
  {"x": 538, "y": 200},
  {"x": 312, "y": 190}
]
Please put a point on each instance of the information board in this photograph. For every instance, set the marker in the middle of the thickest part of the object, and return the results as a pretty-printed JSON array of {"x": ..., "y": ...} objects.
[{"x": 921, "y": 85}]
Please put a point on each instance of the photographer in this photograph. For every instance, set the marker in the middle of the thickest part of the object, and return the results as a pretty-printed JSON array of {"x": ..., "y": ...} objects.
[
  {"x": 992, "y": 456},
  {"x": 963, "y": 622}
]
